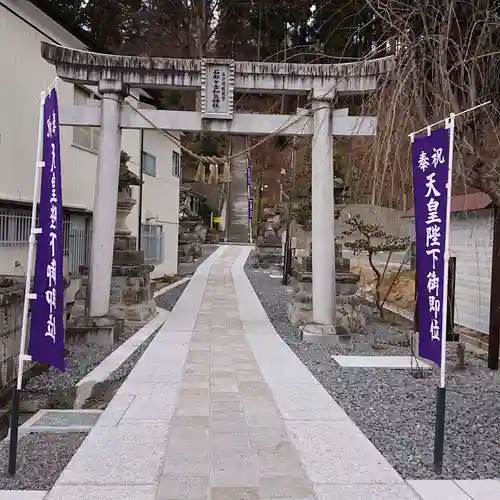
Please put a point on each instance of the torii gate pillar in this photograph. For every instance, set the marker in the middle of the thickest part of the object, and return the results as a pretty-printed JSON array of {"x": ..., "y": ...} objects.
[
  {"x": 323, "y": 208},
  {"x": 105, "y": 196}
]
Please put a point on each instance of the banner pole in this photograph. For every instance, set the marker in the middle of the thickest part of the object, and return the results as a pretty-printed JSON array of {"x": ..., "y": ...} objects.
[
  {"x": 16, "y": 395},
  {"x": 441, "y": 390}
]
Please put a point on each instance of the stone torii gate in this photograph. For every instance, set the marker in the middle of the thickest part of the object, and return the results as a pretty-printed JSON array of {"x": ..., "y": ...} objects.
[{"x": 217, "y": 80}]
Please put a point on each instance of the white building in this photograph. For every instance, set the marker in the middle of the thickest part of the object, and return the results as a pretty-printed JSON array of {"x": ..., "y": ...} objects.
[
  {"x": 471, "y": 243},
  {"x": 23, "y": 25}
]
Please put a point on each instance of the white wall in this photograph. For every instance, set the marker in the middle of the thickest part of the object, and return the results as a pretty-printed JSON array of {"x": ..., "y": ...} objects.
[
  {"x": 160, "y": 197},
  {"x": 471, "y": 242},
  {"x": 28, "y": 75}
]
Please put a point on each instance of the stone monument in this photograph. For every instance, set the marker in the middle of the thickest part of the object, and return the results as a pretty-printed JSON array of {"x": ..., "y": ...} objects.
[
  {"x": 268, "y": 246},
  {"x": 131, "y": 297},
  {"x": 191, "y": 233}
]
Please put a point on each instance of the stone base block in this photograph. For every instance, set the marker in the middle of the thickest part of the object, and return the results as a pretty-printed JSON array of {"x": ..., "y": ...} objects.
[
  {"x": 342, "y": 264},
  {"x": 131, "y": 297},
  {"x": 128, "y": 258},
  {"x": 345, "y": 283},
  {"x": 137, "y": 271},
  {"x": 125, "y": 242},
  {"x": 331, "y": 335},
  {"x": 318, "y": 334},
  {"x": 138, "y": 313},
  {"x": 102, "y": 331},
  {"x": 212, "y": 237}
]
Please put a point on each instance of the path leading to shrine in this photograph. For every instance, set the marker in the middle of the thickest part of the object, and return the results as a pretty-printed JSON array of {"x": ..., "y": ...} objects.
[{"x": 219, "y": 408}]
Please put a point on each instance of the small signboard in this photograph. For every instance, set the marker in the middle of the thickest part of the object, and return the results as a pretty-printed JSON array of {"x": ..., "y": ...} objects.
[
  {"x": 250, "y": 208},
  {"x": 217, "y": 220},
  {"x": 217, "y": 89}
]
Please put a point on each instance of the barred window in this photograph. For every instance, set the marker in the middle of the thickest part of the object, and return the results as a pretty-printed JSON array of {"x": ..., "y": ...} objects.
[
  {"x": 15, "y": 227},
  {"x": 153, "y": 243}
]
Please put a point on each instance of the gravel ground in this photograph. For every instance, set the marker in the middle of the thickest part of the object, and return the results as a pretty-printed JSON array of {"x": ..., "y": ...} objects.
[
  {"x": 104, "y": 392},
  {"x": 80, "y": 360},
  {"x": 168, "y": 299},
  {"x": 41, "y": 459},
  {"x": 394, "y": 409}
]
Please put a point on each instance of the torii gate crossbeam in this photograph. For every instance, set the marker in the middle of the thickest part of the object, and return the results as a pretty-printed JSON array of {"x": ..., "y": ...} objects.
[
  {"x": 217, "y": 80},
  {"x": 241, "y": 124}
]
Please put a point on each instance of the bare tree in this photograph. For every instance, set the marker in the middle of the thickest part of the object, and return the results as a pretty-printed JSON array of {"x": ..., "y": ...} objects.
[{"x": 447, "y": 54}]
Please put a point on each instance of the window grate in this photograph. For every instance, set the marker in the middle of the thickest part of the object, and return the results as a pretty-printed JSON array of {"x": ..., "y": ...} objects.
[
  {"x": 15, "y": 226},
  {"x": 153, "y": 243}
]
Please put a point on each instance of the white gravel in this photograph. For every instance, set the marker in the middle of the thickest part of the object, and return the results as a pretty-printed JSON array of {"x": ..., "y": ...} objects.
[{"x": 396, "y": 410}]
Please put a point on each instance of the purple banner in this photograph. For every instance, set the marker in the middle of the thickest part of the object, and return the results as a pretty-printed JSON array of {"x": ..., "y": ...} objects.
[
  {"x": 46, "y": 343},
  {"x": 250, "y": 208},
  {"x": 430, "y": 158}
]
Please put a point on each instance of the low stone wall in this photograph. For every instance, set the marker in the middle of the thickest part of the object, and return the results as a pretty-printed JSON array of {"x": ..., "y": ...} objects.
[{"x": 11, "y": 318}]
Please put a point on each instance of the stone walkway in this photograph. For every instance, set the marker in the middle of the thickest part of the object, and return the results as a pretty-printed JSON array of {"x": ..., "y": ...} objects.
[{"x": 219, "y": 408}]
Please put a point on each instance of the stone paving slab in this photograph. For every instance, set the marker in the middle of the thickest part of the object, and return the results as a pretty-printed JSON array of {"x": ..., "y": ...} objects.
[
  {"x": 127, "y": 454},
  {"x": 477, "y": 489},
  {"x": 59, "y": 421},
  {"x": 438, "y": 490},
  {"x": 374, "y": 491},
  {"x": 22, "y": 495},
  {"x": 486, "y": 489},
  {"x": 111, "y": 492},
  {"x": 387, "y": 362}
]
